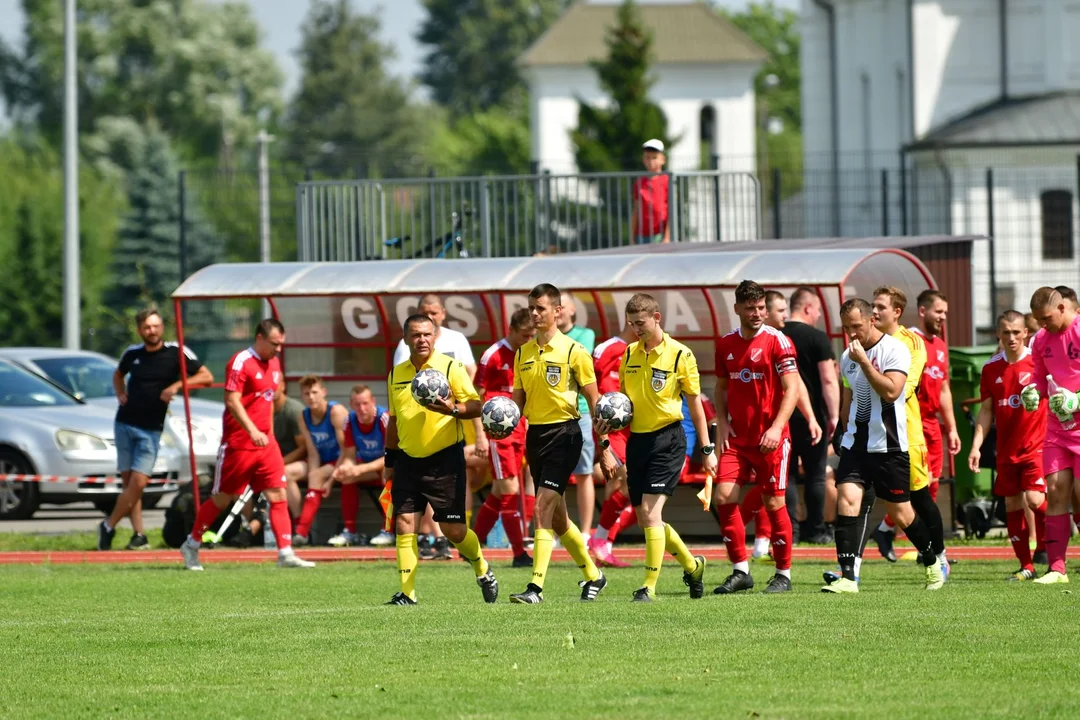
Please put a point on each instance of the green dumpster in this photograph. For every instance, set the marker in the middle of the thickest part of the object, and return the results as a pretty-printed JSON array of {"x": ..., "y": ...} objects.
[{"x": 965, "y": 369}]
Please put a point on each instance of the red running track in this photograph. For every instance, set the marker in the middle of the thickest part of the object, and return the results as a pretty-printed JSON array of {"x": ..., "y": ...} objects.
[{"x": 228, "y": 555}]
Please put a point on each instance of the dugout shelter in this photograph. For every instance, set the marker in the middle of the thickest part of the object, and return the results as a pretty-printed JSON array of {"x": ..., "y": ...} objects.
[{"x": 344, "y": 320}]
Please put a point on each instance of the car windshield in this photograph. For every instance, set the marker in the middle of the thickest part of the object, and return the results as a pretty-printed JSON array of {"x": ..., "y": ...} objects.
[
  {"x": 84, "y": 377},
  {"x": 22, "y": 388}
]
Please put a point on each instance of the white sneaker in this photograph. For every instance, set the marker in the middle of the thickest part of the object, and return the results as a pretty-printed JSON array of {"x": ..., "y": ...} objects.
[
  {"x": 343, "y": 539},
  {"x": 290, "y": 560},
  {"x": 191, "y": 555},
  {"x": 383, "y": 539}
]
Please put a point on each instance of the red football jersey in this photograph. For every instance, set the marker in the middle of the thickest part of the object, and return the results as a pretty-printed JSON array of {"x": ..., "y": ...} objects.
[
  {"x": 256, "y": 380},
  {"x": 495, "y": 373},
  {"x": 607, "y": 357},
  {"x": 1020, "y": 434},
  {"x": 754, "y": 392},
  {"x": 934, "y": 376}
]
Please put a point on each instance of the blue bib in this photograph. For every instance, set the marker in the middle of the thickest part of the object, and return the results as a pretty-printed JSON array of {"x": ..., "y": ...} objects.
[
  {"x": 370, "y": 446},
  {"x": 323, "y": 435}
]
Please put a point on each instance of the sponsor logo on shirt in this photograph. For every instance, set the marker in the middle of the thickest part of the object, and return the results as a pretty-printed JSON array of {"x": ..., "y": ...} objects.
[
  {"x": 1012, "y": 401},
  {"x": 320, "y": 437},
  {"x": 730, "y": 356},
  {"x": 746, "y": 375},
  {"x": 999, "y": 381},
  {"x": 370, "y": 444},
  {"x": 1073, "y": 352},
  {"x": 935, "y": 372}
]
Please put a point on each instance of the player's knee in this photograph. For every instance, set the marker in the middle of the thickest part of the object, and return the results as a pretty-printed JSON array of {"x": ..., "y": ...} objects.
[
  {"x": 774, "y": 503},
  {"x": 454, "y": 532},
  {"x": 222, "y": 500},
  {"x": 274, "y": 494}
]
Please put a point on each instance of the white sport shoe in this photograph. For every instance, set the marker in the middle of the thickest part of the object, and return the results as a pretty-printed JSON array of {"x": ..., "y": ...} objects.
[
  {"x": 191, "y": 555},
  {"x": 383, "y": 539},
  {"x": 290, "y": 560},
  {"x": 343, "y": 539}
]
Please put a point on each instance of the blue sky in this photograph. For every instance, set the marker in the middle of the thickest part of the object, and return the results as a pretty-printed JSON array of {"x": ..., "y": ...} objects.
[{"x": 281, "y": 21}]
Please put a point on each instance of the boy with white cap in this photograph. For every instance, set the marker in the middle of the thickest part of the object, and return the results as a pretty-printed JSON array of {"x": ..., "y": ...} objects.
[{"x": 649, "y": 222}]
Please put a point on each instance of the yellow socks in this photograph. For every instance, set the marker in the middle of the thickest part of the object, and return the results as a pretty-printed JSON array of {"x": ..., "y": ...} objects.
[
  {"x": 678, "y": 549},
  {"x": 654, "y": 556},
  {"x": 406, "y": 563},
  {"x": 574, "y": 543},
  {"x": 543, "y": 540},
  {"x": 470, "y": 551}
]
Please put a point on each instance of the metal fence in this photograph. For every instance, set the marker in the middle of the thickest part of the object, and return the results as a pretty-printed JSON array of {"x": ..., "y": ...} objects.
[{"x": 500, "y": 216}]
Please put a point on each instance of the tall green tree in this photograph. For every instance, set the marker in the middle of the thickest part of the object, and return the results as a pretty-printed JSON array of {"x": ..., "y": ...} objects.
[
  {"x": 608, "y": 139},
  {"x": 491, "y": 142},
  {"x": 349, "y": 111},
  {"x": 31, "y": 242},
  {"x": 193, "y": 67},
  {"x": 474, "y": 46}
]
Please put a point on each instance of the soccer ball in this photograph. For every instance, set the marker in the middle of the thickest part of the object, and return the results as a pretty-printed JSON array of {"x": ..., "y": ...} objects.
[
  {"x": 429, "y": 385},
  {"x": 500, "y": 416},
  {"x": 616, "y": 409}
]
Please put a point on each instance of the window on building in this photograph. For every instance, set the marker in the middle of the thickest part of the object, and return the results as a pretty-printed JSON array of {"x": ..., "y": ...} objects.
[
  {"x": 709, "y": 147},
  {"x": 1057, "y": 225}
]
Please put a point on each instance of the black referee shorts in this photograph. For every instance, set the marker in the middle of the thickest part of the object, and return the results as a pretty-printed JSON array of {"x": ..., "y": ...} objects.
[
  {"x": 553, "y": 452},
  {"x": 437, "y": 480},
  {"x": 654, "y": 462},
  {"x": 889, "y": 472}
]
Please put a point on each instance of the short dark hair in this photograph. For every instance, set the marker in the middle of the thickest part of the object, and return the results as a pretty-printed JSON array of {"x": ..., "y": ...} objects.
[
  {"x": 802, "y": 296},
  {"x": 771, "y": 296},
  {"x": 1031, "y": 323},
  {"x": 145, "y": 314},
  {"x": 430, "y": 299},
  {"x": 856, "y": 304},
  {"x": 1067, "y": 292},
  {"x": 1012, "y": 316},
  {"x": 547, "y": 290},
  {"x": 749, "y": 291},
  {"x": 521, "y": 318},
  {"x": 1044, "y": 297},
  {"x": 415, "y": 318},
  {"x": 310, "y": 381},
  {"x": 927, "y": 297},
  {"x": 360, "y": 389},
  {"x": 267, "y": 326}
]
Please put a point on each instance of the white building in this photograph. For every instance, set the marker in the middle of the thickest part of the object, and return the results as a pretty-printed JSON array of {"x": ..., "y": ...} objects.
[
  {"x": 704, "y": 69},
  {"x": 946, "y": 89}
]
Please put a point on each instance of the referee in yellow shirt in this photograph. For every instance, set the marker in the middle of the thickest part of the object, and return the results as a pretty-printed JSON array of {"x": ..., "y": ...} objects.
[
  {"x": 549, "y": 371},
  {"x": 656, "y": 372},
  {"x": 425, "y": 457}
]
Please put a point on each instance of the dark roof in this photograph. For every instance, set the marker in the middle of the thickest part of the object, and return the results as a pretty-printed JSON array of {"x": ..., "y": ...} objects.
[
  {"x": 900, "y": 242},
  {"x": 684, "y": 33},
  {"x": 1049, "y": 119}
]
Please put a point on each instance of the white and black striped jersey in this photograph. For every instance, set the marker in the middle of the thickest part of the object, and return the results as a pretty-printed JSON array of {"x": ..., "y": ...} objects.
[{"x": 875, "y": 425}]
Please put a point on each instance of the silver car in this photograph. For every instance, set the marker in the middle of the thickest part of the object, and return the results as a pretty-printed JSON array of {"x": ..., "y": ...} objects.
[
  {"x": 45, "y": 431},
  {"x": 88, "y": 376}
]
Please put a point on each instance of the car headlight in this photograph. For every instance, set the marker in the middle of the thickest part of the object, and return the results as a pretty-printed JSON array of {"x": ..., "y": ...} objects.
[
  {"x": 74, "y": 441},
  {"x": 168, "y": 441}
]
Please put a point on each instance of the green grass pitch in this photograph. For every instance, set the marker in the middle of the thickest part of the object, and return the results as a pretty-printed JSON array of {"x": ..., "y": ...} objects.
[{"x": 246, "y": 641}]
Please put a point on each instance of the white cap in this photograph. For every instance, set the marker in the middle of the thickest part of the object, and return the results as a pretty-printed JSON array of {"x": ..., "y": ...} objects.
[{"x": 654, "y": 144}]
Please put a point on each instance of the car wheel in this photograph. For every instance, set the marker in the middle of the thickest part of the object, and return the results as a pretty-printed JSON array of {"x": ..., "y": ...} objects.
[
  {"x": 18, "y": 500},
  {"x": 105, "y": 504}
]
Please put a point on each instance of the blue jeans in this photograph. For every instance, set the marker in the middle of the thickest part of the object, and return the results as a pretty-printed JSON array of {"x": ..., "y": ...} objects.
[
  {"x": 136, "y": 449},
  {"x": 588, "y": 446}
]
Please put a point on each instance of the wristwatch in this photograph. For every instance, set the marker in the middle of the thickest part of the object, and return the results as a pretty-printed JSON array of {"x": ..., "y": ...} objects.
[
  {"x": 455, "y": 412},
  {"x": 605, "y": 444},
  {"x": 708, "y": 449}
]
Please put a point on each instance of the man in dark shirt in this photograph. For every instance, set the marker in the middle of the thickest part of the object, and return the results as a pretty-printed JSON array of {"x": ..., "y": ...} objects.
[
  {"x": 815, "y": 360},
  {"x": 288, "y": 414},
  {"x": 153, "y": 371}
]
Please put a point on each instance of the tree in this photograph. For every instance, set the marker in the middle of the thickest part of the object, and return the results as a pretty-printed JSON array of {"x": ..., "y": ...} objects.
[
  {"x": 348, "y": 111},
  {"x": 145, "y": 265},
  {"x": 31, "y": 242},
  {"x": 193, "y": 67},
  {"x": 608, "y": 139},
  {"x": 491, "y": 142},
  {"x": 474, "y": 50}
]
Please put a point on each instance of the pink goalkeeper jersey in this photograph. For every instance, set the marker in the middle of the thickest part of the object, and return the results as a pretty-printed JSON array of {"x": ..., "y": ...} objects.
[{"x": 1058, "y": 354}]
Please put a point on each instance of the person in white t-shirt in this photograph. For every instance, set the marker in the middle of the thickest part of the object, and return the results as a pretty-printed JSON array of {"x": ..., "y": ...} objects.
[{"x": 456, "y": 345}]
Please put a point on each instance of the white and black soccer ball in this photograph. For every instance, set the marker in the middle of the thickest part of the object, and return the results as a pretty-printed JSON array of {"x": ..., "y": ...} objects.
[
  {"x": 616, "y": 409},
  {"x": 428, "y": 385},
  {"x": 500, "y": 416}
]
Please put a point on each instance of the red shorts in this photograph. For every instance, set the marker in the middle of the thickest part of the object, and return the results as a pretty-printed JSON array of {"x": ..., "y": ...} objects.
[
  {"x": 935, "y": 449},
  {"x": 263, "y": 469},
  {"x": 737, "y": 464},
  {"x": 1017, "y": 477},
  {"x": 505, "y": 455}
]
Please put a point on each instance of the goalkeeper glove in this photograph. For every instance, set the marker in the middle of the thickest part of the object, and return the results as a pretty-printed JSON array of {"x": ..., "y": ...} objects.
[
  {"x": 1029, "y": 397},
  {"x": 1064, "y": 403}
]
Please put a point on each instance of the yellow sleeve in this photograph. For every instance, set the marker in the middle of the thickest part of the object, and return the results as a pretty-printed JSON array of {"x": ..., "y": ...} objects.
[
  {"x": 581, "y": 365},
  {"x": 689, "y": 379},
  {"x": 390, "y": 393},
  {"x": 460, "y": 384},
  {"x": 918, "y": 362},
  {"x": 517, "y": 371}
]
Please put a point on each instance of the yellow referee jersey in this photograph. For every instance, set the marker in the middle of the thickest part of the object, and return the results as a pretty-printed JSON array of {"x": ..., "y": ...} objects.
[
  {"x": 655, "y": 382},
  {"x": 422, "y": 432},
  {"x": 551, "y": 377}
]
